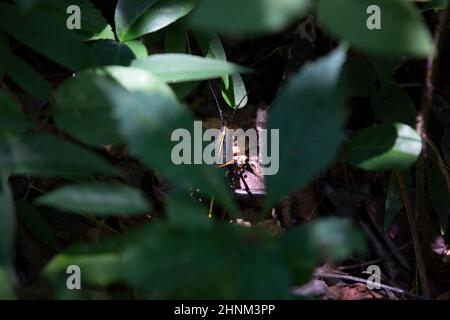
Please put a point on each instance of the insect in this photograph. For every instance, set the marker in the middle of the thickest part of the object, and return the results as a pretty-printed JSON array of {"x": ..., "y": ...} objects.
[{"x": 235, "y": 172}]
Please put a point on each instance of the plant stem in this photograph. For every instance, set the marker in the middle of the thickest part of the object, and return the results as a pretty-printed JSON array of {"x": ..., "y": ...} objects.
[{"x": 415, "y": 236}]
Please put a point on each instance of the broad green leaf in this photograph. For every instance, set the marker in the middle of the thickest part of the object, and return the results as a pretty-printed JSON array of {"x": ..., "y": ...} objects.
[
  {"x": 109, "y": 52},
  {"x": 135, "y": 18},
  {"x": 34, "y": 221},
  {"x": 359, "y": 77},
  {"x": 93, "y": 25},
  {"x": 42, "y": 33},
  {"x": 175, "y": 68},
  {"x": 392, "y": 104},
  {"x": 101, "y": 199},
  {"x": 249, "y": 16},
  {"x": 11, "y": 117},
  {"x": 147, "y": 121},
  {"x": 83, "y": 111},
  {"x": 26, "y": 77},
  {"x": 46, "y": 155},
  {"x": 166, "y": 261},
  {"x": 139, "y": 49},
  {"x": 7, "y": 227},
  {"x": 439, "y": 194},
  {"x": 402, "y": 29},
  {"x": 394, "y": 201},
  {"x": 309, "y": 114},
  {"x": 385, "y": 147}
]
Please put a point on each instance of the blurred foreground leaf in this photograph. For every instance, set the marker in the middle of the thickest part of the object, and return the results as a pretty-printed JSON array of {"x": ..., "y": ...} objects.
[{"x": 99, "y": 199}]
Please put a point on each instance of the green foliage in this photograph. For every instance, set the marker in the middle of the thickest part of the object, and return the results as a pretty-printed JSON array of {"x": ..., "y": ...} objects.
[
  {"x": 135, "y": 18},
  {"x": 174, "y": 68},
  {"x": 385, "y": 147},
  {"x": 438, "y": 188},
  {"x": 100, "y": 199},
  {"x": 11, "y": 117},
  {"x": 25, "y": 76},
  {"x": 110, "y": 53},
  {"x": 167, "y": 261},
  {"x": 402, "y": 31},
  {"x": 46, "y": 155},
  {"x": 394, "y": 201},
  {"x": 35, "y": 222},
  {"x": 358, "y": 77},
  {"x": 44, "y": 34},
  {"x": 7, "y": 228},
  {"x": 249, "y": 16},
  {"x": 392, "y": 104},
  {"x": 233, "y": 87},
  {"x": 94, "y": 25},
  {"x": 314, "y": 99},
  {"x": 115, "y": 87}
]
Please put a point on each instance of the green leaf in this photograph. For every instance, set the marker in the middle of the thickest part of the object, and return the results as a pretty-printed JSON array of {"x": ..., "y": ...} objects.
[
  {"x": 11, "y": 117},
  {"x": 98, "y": 199},
  {"x": 139, "y": 49},
  {"x": 6, "y": 285},
  {"x": 359, "y": 77},
  {"x": 309, "y": 114},
  {"x": 385, "y": 68},
  {"x": 27, "y": 4},
  {"x": 394, "y": 201},
  {"x": 135, "y": 18},
  {"x": 26, "y": 77},
  {"x": 93, "y": 25},
  {"x": 34, "y": 221},
  {"x": 236, "y": 94},
  {"x": 385, "y": 147},
  {"x": 42, "y": 33},
  {"x": 439, "y": 194},
  {"x": 83, "y": 110},
  {"x": 46, "y": 155},
  {"x": 337, "y": 239},
  {"x": 249, "y": 16},
  {"x": 233, "y": 87},
  {"x": 392, "y": 104},
  {"x": 212, "y": 48},
  {"x": 166, "y": 261},
  {"x": 109, "y": 52},
  {"x": 140, "y": 116},
  {"x": 4, "y": 48},
  {"x": 402, "y": 29},
  {"x": 174, "y": 68},
  {"x": 184, "y": 211},
  {"x": 7, "y": 227}
]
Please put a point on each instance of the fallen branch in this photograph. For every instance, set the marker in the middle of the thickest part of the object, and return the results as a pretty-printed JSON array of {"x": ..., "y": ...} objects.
[{"x": 362, "y": 280}]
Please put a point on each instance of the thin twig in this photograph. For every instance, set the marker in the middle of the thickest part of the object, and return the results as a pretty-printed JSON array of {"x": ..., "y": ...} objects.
[
  {"x": 415, "y": 236},
  {"x": 362, "y": 280},
  {"x": 375, "y": 261}
]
